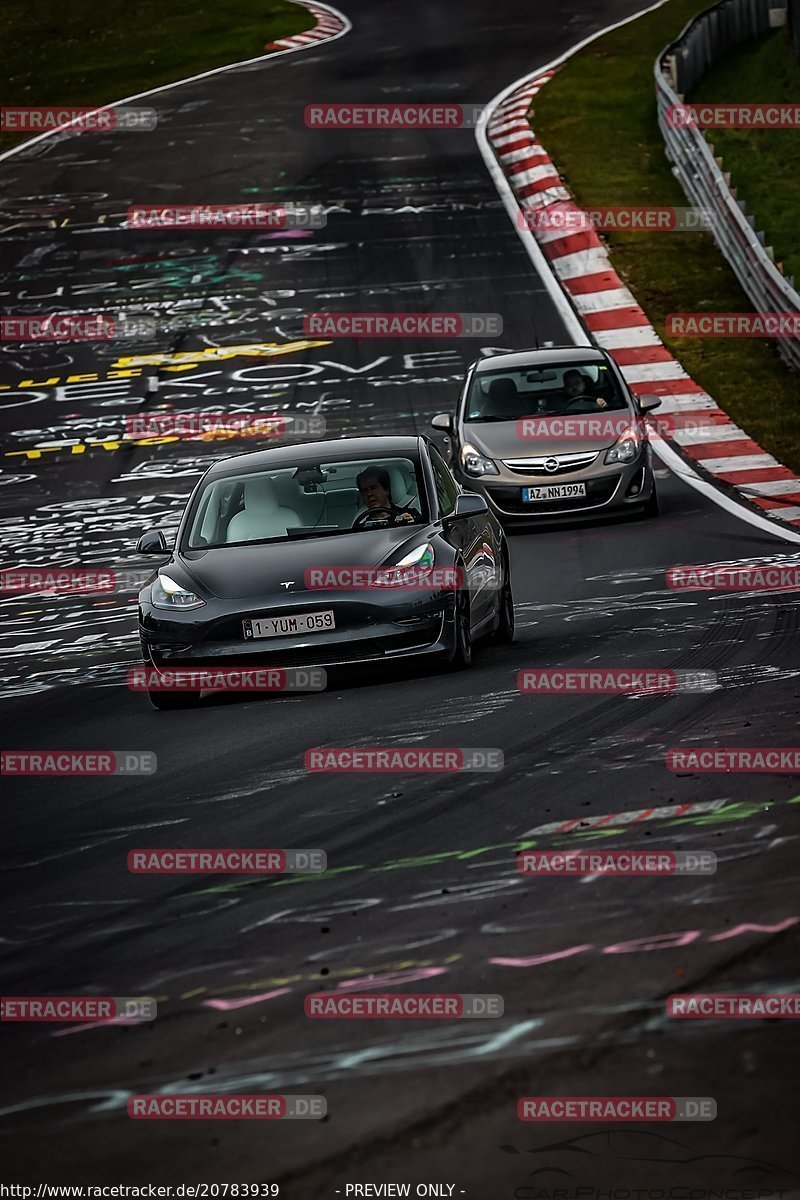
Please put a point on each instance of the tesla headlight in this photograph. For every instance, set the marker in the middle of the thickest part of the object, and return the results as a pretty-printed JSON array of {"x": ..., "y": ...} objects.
[
  {"x": 410, "y": 569},
  {"x": 475, "y": 464},
  {"x": 422, "y": 558},
  {"x": 166, "y": 593},
  {"x": 626, "y": 447}
]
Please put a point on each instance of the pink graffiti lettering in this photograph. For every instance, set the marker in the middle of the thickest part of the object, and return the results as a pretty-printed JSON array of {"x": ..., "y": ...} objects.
[
  {"x": 243, "y": 1002},
  {"x": 536, "y": 959},
  {"x": 661, "y": 941},
  {"x": 737, "y": 929}
]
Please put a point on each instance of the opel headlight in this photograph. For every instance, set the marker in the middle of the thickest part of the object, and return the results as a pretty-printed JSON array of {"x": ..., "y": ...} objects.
[
  {"x": 166, "y": 593},
  {"x": 474, "y": 463},
  {"x": 626, "y": 447}
]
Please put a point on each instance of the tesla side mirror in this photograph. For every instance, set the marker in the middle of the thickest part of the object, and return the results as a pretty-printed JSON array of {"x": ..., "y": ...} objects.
[
  {"x": 648, "y": 403},
  {"x": 152, "y": 542},
  {"x": 443, "y": 421},
  {"x": 469, "y": 504}
]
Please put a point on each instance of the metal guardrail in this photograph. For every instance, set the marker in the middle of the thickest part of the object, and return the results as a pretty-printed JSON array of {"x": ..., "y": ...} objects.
[{"x": 706, "y": 38}]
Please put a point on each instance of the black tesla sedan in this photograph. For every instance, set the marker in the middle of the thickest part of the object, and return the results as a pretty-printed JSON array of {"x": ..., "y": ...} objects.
[{"x": 325, "y": 554}]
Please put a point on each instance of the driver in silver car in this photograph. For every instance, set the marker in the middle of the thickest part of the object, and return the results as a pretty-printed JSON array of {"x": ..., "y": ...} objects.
[
  {"x": 374, "y": 487},
  {"x": 576, "y": 386}
]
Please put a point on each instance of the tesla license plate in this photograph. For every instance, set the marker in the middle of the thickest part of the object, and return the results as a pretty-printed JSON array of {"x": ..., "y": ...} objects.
[
  {"x": 299, "y": 623},
  {"x": 554, "y": 491}
]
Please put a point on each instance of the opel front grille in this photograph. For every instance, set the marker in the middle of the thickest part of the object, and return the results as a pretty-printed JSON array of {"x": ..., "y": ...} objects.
[{"x": 559, "y": 464}]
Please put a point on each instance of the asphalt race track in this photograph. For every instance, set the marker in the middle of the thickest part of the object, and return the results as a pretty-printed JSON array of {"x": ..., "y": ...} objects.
[{"x": 422, "y": 891}]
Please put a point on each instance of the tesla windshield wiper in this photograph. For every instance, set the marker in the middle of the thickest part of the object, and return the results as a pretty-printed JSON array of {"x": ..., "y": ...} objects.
[
  {"x": 296, "y": 532},
  {"x": 293, "y": 533}
]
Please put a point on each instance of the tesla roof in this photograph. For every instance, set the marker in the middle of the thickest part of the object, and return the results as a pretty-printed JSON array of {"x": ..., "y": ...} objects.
[
  {"x": 540, "y": 358},
  {"x": 292, "y": 454}
]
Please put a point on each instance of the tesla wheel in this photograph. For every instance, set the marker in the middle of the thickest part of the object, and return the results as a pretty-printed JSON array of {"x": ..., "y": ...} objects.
[
  {"x": 504, "y": 634},
  {"x": 462, "y": 652}
]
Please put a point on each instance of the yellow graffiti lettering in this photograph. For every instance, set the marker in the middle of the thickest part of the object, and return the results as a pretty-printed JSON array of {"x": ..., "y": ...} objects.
[
  {"x": 131, "y": 367},
  {"x": 216, "y": 354}
]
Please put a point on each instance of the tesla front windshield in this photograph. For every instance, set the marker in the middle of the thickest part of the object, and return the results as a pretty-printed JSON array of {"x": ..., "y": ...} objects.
[
  {"x": 306, "y": 500},
  {"x": 552, "y": 390}
]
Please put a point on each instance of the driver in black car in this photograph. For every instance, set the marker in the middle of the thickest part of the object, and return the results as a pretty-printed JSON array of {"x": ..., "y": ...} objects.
[
  {"x": 576, "y": 385},
  {"x": 374, "y": 488}
]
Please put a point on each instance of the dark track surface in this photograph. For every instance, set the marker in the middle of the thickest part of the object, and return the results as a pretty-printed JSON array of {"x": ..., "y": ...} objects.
[{"x": 230, "y": 961}]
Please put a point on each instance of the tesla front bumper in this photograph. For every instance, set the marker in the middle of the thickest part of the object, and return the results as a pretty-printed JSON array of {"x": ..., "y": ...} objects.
[{"x": 402, "y": 623}]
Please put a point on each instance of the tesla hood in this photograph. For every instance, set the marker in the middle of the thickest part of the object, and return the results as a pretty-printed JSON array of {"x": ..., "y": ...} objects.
[{"x": 262, "y": 569}]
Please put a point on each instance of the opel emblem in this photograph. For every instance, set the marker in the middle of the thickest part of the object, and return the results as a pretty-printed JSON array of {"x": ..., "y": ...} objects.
[{"x": 551, "y": 464}]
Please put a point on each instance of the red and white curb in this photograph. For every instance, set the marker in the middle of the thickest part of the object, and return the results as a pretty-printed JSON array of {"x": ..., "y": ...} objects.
[
  {"x": 330, "y": 23},
  {"x": 719, "y": 451},
  {"x": 617, "y": 819}
]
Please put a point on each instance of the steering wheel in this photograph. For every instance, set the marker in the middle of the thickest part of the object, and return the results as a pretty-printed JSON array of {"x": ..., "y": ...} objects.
[
  {"x": 363, "y": 517},
  {"x": 586, "y": 400}
]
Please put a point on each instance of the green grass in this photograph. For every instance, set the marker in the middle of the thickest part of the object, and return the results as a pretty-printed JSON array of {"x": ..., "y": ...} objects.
[
  {"x": 597, "y": 120},
  {"x": 764, "y": 164},
  {"x": 82, "y": 53}
]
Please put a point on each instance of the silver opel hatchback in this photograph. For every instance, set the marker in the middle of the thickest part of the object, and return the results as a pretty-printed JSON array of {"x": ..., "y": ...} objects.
[{"x": 552, "y": 434}]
